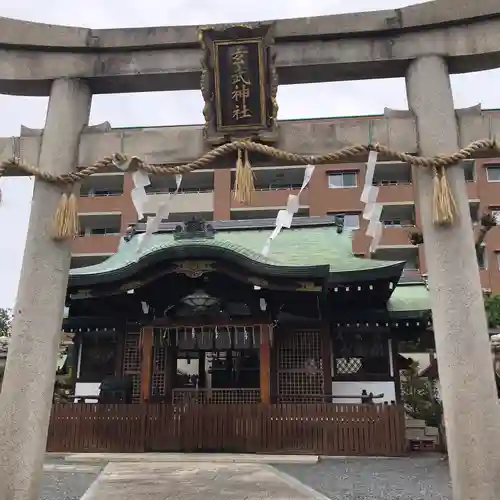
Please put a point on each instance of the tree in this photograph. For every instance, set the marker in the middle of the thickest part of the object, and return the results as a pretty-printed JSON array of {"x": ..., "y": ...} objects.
[
  {"x": 419, "y": 396},
  {"x": 5, "y": 322},
  {"x": 486, "y": 222},
  {"x": 492, "y": 306}
]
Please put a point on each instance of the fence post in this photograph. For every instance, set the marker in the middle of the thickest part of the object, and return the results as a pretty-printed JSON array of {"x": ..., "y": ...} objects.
[{"x": 144, "y": 426}]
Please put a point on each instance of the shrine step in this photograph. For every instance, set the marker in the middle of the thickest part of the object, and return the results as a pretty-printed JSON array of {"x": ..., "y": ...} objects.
[{"x": 242, "y": 458}]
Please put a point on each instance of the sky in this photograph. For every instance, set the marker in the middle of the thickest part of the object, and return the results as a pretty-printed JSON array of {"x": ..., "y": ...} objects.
[{"x": 171, "y": 108}]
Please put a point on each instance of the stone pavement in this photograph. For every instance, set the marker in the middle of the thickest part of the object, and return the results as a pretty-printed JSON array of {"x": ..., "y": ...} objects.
[
  {"x": 248, "y": 458},
  {"x": 187, "y": 481}
]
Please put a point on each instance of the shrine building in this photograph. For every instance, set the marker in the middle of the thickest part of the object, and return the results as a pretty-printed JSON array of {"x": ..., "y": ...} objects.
[{"x": 198, "y": 314}]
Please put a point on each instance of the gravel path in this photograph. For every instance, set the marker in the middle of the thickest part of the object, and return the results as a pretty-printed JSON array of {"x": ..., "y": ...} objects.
[{"x": 415, "y": 478}]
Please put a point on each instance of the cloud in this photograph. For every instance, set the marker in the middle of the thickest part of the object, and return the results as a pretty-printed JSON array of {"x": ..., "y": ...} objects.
[{"x": 170, "y": 108}]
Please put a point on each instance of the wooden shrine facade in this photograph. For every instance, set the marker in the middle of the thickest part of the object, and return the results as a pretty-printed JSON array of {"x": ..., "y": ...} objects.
[{"x": 240, "y": 362}]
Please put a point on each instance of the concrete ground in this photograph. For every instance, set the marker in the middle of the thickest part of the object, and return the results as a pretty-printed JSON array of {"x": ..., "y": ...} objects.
[{"x": 415, "y": 478}]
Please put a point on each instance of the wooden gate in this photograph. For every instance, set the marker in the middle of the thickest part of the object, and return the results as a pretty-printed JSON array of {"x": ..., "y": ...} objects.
[{"x": 322, "y": 429}]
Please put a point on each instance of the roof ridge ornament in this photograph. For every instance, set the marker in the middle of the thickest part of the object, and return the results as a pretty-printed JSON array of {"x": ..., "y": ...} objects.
[{"x": 194, "y": 228}]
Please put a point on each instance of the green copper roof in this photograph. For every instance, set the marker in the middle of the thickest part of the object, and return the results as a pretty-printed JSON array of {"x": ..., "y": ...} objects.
[
  {"x": 409, "y": 297},
  {"x": 295, "y": 247}
]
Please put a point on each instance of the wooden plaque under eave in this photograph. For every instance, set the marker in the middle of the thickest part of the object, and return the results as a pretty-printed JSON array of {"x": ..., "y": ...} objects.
[{"x": 239, "y": 83}]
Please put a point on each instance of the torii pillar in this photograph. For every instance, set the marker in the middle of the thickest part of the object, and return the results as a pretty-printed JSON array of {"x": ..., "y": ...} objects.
[
  {"x": 468, "y": 389},
  {"x": 28, "y": 385}
]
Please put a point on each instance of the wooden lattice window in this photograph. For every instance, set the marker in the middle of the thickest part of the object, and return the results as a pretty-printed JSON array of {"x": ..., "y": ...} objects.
[
  {"x": 348, "y": 366},
  {"x": 361, "y": 357},
  {"x": 159, "y": 365},
  {"x": 300, "y": 367},
  {"x": 216, "y": 396},
  {"x": 132, "y": 362}
]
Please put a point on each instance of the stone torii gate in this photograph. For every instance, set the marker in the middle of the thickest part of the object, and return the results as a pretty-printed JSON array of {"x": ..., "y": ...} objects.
[{"x": 422, "y": 43}]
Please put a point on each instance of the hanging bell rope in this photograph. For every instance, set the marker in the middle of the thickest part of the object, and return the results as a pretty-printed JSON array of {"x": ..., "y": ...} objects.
[{"x": 66, "y": 222}]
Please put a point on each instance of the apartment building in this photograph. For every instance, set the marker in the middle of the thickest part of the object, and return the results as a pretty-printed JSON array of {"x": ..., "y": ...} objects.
[{"x": 106, "y": 207}]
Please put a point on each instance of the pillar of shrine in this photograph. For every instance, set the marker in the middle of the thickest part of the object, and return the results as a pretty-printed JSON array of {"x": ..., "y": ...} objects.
[
  {"x": 28, "y": 385},
  {"x": 467, "y": 382}
]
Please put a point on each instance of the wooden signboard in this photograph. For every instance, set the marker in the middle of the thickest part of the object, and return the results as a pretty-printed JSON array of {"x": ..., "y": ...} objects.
[{"x": 239, "y": 83}]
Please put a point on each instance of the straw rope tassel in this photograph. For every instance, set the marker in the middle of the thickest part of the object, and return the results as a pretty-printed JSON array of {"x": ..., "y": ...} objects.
[
  {"x": 65, "y": 225},
  {"x": 443, "y": 204},
  {"x": 244, "y": 181}
]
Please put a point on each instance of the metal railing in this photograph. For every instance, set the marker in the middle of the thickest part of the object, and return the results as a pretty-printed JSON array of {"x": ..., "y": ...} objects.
[
  {"x": 274, "y": 187},
  {"x": 398, "y": 223},
  {"x": 391, "y": 183},
  {"x": 269, "y": 187},
  {"x": 110, "y": 232},
  {"x": 101, "y": 194},
  {"x": 187, "y": 190}
]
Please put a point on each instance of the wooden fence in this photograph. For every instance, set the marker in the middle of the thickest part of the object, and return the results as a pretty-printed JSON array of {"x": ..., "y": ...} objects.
[{"x": 323, "y": 429}]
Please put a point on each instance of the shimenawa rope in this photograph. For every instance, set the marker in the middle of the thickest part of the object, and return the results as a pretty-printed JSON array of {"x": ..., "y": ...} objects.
[{"x": 66, "y": 217}]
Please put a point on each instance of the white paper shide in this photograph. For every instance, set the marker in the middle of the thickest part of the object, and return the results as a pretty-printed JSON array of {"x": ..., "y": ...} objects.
[
  {"x": 373, "y": 210},
  {"x": 285, "y": 216}
]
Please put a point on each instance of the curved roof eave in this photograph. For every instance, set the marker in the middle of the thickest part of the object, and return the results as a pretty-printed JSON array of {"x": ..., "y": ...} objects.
[
  {"x": 391, "y": 272},
  {"x": 189, "y": 251}
]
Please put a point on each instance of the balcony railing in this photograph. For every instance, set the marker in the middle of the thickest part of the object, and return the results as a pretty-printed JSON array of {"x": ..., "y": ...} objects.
[
  {"x": 391, "y": 183},
  {"x": 101, "y": 193},
  {"x": 99, "y": 232},
  {"x": 274, "y": 187},
  {"x": 181, "y": 191},
  {"x": 398, "y": 223},
  {"x": 269, "y": 187}
]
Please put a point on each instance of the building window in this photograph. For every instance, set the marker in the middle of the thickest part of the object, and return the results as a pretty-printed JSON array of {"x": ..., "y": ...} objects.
[
  {"x": 469, "y": 166},
  {"x": 482, "y": 258},
  {"x": 496, "y": 215},
  {"x": 342, "y": 180},
  {"x": 493, "y": 173},
  {"x": 351, "y": 221}
]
